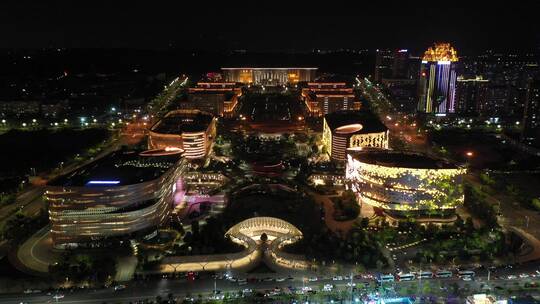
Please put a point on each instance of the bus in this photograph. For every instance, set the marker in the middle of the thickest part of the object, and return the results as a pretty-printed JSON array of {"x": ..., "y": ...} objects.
[
  {"x": 385, "y": 278},
  {"x": 425, "y": 275},
  {"x": 466, "y": 273},
  {"x": 405, "y": 277},
  {"x": 443, "y": 274}
]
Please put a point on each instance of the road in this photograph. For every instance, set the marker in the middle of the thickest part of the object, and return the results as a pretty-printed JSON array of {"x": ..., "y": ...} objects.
[
  {"x": 140, "y": 290},
  {"x": 402, "y": 127},
  {"x": 27, "y": 196}
]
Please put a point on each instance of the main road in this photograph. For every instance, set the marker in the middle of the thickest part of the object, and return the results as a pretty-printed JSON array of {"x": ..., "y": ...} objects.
[{"x": 180, "y": 288}]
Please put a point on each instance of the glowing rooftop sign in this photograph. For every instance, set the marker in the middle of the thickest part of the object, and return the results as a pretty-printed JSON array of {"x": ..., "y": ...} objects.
[{"x": 103, "y": 182}]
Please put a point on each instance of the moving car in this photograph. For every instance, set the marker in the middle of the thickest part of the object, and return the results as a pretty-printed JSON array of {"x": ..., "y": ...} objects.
[{"x": 119, "y": 287}]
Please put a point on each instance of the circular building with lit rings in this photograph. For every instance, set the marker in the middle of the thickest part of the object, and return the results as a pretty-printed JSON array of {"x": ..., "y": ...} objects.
[
  {"x": 405, "y": 183},
  {"x": 352, "y": 129},
  {"x": 190, "y": 130}
]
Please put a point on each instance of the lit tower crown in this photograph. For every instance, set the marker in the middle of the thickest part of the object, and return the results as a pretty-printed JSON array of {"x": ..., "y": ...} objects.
[
  {"x": 440, "y": 52},
  {"x": 438, "y": 79}
]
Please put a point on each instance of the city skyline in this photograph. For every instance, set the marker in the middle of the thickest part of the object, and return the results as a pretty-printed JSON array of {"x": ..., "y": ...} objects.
[{"x": 231, "y": 153}]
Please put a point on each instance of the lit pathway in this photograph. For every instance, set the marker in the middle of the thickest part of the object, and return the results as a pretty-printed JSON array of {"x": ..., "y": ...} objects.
[{"x": 246, "y": 233}]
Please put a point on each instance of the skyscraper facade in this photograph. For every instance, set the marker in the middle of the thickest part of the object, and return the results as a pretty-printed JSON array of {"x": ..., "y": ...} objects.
[
  {"x": 471, "y": 95},
  {"x": 531, "y": 113},
  {"x": 384, "y": 61},
  {"x": 400, "y": 66},
  {"x": 437, "y": 83}
]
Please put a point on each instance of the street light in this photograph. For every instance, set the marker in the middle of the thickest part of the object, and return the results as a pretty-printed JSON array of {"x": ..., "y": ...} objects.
[{"x": 469, "y": 154}]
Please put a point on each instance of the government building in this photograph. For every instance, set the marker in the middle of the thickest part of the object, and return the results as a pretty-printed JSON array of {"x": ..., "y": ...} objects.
[
  {"x": 268, "y": 75},
  {"x": 126, "y": 194}
]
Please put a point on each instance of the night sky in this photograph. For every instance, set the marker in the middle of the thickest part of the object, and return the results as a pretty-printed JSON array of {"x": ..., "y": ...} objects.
[{"x": 266, "y": 26}]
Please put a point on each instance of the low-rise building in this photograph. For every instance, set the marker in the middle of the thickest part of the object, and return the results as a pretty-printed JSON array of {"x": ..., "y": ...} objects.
[
  {"x": 217, "y": 98},
  {"x": 322, "y": 98}
]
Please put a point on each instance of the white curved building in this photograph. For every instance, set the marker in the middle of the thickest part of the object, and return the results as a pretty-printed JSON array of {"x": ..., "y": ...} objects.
[
  {"x": 125, "y": 193},
  {"x": 399, "y": 182}
]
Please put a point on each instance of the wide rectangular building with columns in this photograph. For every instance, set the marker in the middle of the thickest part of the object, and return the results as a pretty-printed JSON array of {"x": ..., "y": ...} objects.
[{"x": 269, "y": 75}]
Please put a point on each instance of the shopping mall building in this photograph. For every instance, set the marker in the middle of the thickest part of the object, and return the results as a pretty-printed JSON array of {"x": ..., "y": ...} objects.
[
  {"x": 405, "y": 183},
  {"x": 190, "y": 130},
  {"x": 123, "y": 194}
]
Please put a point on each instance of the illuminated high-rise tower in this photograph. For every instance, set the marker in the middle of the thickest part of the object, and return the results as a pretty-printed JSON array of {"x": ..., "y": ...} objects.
[{"x": 437, "y": 85}]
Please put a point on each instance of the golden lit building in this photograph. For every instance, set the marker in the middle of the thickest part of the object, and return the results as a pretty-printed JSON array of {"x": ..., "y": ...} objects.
[
  {"x": 352, "y": 129},
  {"x": 123, "y": 194},
  {"x": 268, "y": 75},
  {"x": 193, "y": 131},
  {"x": 403, "y": 183}
]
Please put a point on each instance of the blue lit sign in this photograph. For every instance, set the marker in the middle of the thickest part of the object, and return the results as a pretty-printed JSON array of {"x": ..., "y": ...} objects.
[{"x": 103, "y": 182}]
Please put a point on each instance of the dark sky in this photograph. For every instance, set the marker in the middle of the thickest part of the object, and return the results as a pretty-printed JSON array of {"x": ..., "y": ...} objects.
[{"x": 270, "y": 26}]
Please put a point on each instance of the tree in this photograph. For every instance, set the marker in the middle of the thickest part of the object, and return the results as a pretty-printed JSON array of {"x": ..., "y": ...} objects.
[
  {"x": 195, "y": 228},
  {"x": 364, "y": 222},
  {"x": 535, "y": 203},
  {"x": 469, "y": 225},
  {"x": 360, "y": 268}
]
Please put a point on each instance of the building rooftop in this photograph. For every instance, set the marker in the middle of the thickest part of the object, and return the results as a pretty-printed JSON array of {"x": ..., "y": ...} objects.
[
  {"x": 400, "y": 159},
  {"x": 370, "y": 123},
  {"x": 120, "y": 168},
  {"x": 176, "y": 122}
]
